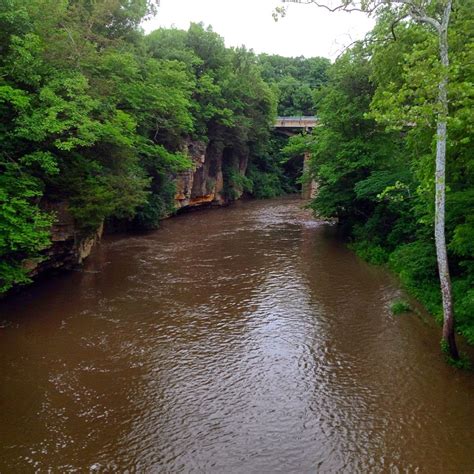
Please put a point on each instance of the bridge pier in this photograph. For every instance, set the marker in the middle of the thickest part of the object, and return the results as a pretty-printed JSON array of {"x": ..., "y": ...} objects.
[
  {"x": 309, "y": 189},
  {"x": 289, "y": 126}
]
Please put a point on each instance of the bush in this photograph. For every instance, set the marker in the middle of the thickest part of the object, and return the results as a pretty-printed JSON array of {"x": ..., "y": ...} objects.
[
  {"x": 265, "y": 185},
  {"x": 400, "y": 307},
  {"x": 374, "y": 254}
]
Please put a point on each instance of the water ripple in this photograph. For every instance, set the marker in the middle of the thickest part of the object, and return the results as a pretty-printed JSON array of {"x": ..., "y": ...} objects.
[{"x": 240, "y": 340}]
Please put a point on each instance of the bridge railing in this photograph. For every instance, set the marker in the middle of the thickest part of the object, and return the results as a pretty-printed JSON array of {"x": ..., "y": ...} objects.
[{"x": 296, "y": 122}]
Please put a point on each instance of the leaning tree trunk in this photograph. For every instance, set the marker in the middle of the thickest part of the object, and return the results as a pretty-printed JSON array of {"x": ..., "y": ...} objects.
[{"x": 440, "y": 184}]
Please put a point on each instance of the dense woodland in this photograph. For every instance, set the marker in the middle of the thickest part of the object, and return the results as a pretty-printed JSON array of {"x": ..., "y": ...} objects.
[
  {"x": 296, "y": 80},
  {"x": 97, "y": 114},
  {"x": 374, "y": 155}
]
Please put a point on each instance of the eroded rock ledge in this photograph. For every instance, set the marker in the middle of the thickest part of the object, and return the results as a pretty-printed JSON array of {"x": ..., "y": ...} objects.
[{"x": 204, "y": 184}]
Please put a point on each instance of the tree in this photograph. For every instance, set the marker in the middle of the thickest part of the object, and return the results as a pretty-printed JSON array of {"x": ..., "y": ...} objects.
[
  {"x": 435, "y": 14},
  {"x": 98, "y": 118},
  {"x": 296, "y": 80}
]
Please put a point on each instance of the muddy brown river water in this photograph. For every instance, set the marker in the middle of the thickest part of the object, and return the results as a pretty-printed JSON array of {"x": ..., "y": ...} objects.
[{"x": 237, "y": 340}]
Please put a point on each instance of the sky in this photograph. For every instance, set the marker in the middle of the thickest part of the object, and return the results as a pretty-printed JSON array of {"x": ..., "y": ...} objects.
[{"x": 305, "y": 31}]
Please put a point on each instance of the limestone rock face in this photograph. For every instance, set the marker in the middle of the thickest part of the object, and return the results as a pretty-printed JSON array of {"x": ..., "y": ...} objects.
[
  {"x": 69, "y": 246},
  {"x": 204, "y": 183},
  {"x": 310, "y": 188}
]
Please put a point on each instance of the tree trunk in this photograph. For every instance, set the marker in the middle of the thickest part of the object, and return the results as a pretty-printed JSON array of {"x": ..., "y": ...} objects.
[{"x": 440, "y": 183}]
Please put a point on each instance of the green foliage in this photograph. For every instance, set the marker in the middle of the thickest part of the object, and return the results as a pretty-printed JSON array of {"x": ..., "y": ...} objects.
[
  {"x": 400, "y": 307},
  {"x": 373, "y": 253},
  {"x": 160, "y": 204},
  {"x": 296, "y": 80},
  {"x": 235, "y": 183},
  {"x": 373, "y": 155},
  {"x": 24, "y": 227},
  {"x": 272, "y": 171},
  {"x": 95, "y": 114},
  {"x": 265, "y": 185},
  {"x": 463, "y": 363}
]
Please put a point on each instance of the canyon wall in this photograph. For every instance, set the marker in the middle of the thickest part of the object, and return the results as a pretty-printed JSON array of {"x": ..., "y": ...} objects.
[
  {"x": 206, "y": 183},
  {"x": 69, "y": 246}
]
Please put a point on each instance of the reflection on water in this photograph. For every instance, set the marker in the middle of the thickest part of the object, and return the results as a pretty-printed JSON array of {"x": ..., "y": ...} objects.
[{"x": 242, "y": 340}]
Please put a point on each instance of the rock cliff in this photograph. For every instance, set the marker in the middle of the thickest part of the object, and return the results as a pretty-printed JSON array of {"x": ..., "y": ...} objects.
[
  {"x": 208, "y": 182},
  {"x": 69, "y": 247}
]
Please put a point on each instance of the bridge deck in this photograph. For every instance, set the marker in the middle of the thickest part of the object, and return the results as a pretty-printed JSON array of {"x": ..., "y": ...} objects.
[{"x": 296, "y": 122}]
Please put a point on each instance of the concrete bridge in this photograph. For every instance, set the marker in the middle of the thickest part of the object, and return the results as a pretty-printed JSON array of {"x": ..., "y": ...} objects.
[
  {"x": 290, "y": 126},
  {"x": 303, "y": 122}
]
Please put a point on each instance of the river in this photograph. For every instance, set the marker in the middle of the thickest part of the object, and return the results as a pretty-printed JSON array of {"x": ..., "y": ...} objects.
[{"x": 246, "y": 339}]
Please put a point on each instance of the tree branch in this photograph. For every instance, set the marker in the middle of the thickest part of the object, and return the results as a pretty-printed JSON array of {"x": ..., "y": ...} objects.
[
  {"x": 394, "y": 24},
  {"x": 417, "y": 12},
  {"x": 343, "y": 7}
]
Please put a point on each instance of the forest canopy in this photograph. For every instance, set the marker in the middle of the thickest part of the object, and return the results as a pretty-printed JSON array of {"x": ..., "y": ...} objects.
[
  {"x": 98, "y": 115},
  {"x": 374, "y": 153}
]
